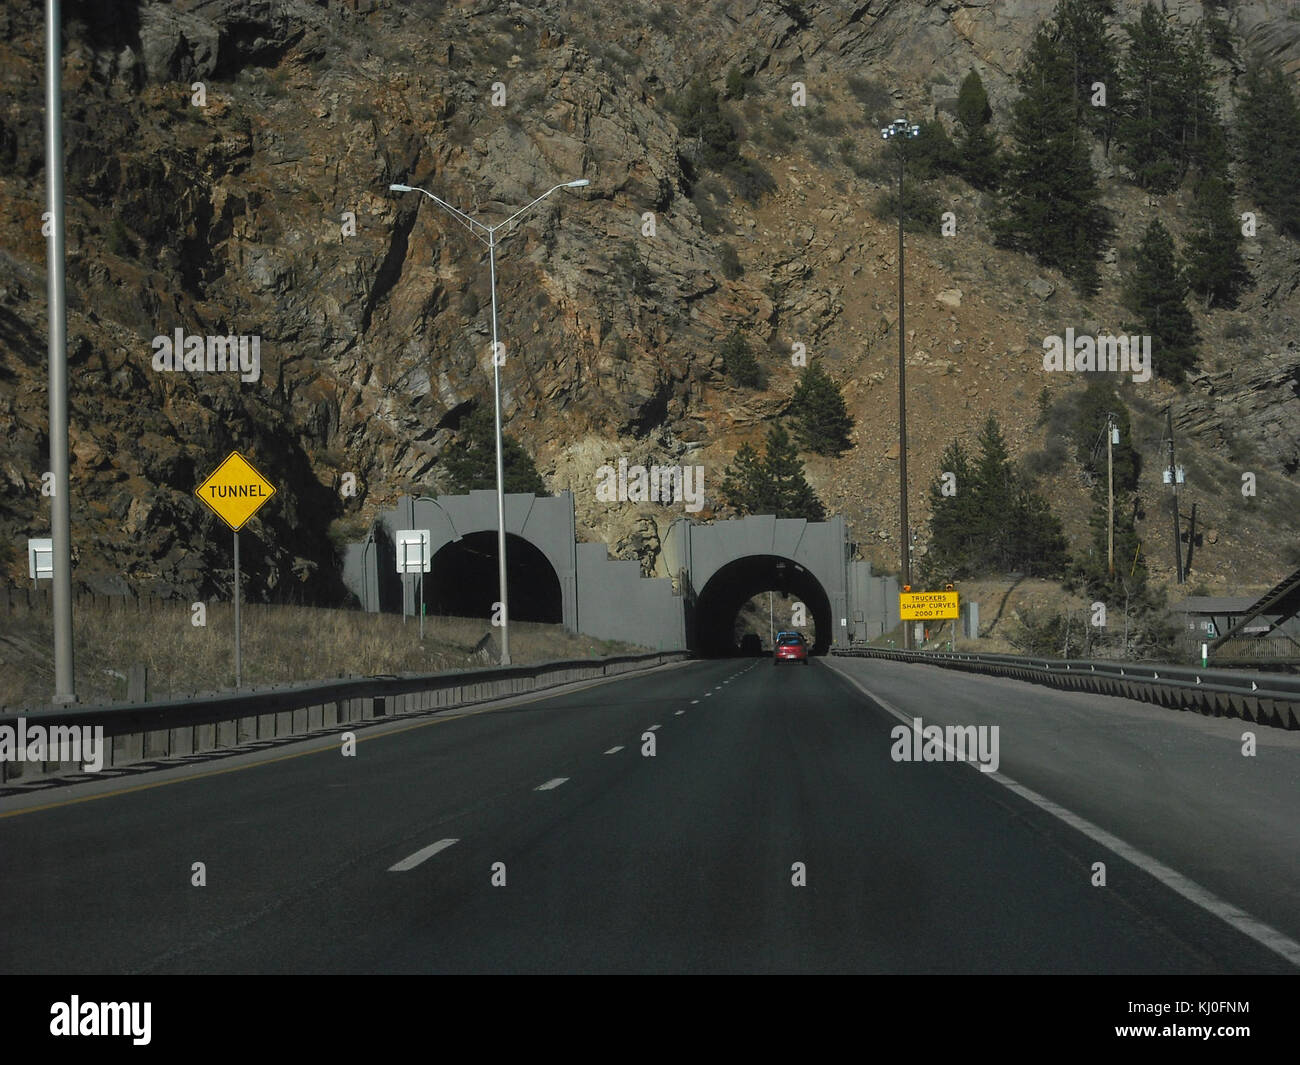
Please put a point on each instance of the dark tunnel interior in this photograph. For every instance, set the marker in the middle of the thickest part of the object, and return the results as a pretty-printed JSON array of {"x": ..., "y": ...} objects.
[
  {"x": 734, "y": 584},
  {"x": 464, "y": 583}
]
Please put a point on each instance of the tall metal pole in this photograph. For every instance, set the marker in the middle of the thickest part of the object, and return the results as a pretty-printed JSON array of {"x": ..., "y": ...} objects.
[
  {"x": 1110, "y": 496},
  {"x": 501, "y": 498},
  {"x": 65, "y": 690},
  {"x": 239, "y": 656},
  {"x": 902, "y": 410}
]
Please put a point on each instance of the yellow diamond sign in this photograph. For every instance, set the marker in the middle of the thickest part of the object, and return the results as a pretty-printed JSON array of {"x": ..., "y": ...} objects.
[{"x": 235, "y": 491}]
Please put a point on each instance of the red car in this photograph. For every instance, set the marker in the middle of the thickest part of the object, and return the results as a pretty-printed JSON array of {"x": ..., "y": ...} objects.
[{"x": 790, "y": 647}]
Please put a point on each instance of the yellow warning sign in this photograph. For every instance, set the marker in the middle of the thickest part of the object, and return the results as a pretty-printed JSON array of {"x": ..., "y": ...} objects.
[
  {"x": 235, "y": 490},
  {"x": 927, "y": 606}
]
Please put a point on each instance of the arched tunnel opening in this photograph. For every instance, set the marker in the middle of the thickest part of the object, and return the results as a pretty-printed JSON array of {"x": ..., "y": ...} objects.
[
  {"x": 727, "y": 591},
  {"x": 464, "y": 581}
]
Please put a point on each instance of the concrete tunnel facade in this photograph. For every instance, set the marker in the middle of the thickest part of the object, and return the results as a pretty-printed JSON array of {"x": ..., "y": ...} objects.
[{"x": 714, "y": 569}]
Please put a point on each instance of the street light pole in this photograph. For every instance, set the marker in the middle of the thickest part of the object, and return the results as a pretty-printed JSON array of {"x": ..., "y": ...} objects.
[
  {"x": 488, "y": 235},
  {"x": 65, "y": 690},
  {"x": 901, "y": 128}
]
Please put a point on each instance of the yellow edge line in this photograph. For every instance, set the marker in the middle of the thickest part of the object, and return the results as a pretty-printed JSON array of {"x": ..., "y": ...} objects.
[{"x": 299, "y": 754}]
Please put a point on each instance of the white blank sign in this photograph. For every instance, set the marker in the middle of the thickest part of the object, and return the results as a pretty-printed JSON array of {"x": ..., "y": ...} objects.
[
  {"x": 412, "y": 548},
  {"x": 40, "y": 559}
]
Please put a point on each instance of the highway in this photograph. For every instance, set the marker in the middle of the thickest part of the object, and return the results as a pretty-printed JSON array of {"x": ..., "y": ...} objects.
[{"x": 690, "y": 859}]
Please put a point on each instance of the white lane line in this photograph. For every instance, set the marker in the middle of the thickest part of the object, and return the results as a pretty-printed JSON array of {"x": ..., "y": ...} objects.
[
  {"x": 694, "y": 701},
  {"x": 679, "y": 713},
  {"x": 1243, "y": 922},
  {"x": 614, "y": 750},
  {"x": 652, "y": 728},
  {"x": 554, "y": 783},
  {"x": 415, "y": 859},
  {"x": 707, "y": 694}
]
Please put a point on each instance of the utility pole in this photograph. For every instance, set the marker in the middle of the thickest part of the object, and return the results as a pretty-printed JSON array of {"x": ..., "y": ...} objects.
[
  {"x": 902, "y": 128},
  {"x": 1110, "y": 494},
  {"x": 1173, "y": 477}
]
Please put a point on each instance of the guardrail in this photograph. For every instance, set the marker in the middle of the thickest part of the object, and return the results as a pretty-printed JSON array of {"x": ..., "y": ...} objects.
[
  {"x": 1264, "y": 698},
  {"x": 139, "y": 732}
]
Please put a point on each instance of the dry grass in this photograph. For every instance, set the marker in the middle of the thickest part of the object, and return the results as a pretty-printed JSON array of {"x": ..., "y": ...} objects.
[{"x": 279, "y": 643}]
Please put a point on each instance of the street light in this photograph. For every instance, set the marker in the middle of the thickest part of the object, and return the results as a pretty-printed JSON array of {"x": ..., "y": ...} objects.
[
  {"x": 900, "y": 127},
  {"x": 488, "y": 235}
]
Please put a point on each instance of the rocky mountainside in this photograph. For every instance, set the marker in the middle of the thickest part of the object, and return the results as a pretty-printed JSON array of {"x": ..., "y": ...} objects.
[{"x": 227, "y": 173}]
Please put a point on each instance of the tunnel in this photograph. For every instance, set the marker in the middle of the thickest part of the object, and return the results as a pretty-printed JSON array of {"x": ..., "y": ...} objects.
[
  {"x": 464, "y": 581},
  {"x": 721, "y": 599}
]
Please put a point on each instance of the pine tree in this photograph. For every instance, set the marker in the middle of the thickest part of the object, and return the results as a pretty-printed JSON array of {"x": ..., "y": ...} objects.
[
  {"x": 995, "y": 493},
  {"x": 745, "y": 485},
  {"x": 794, "y": 496},
  {"x": 1050, "y": 203},
  {"x": 700, "y": 116},
  {"x": 1098, "y": 401},
  {"x": 470, "y": 462},
  {"x": 931, "y": 153},
  {"x": 772, "y": 484},
  {"x": 823, "y": 421},
  {"x": 1150, "y": 124},
  {"x": 954, "y": 544},
  {"x": 1216, "y": 268},
  {"x": 1156, "y": 291},
  {"x": 1169, "y": 121},
  {"x": 994, "y": 522},
  {"x": 1268, "y": 118},
  {"x": 1091, "y": 53},
  {"x": 738, "y": 361},
  {"x": 977, "y": 152}
]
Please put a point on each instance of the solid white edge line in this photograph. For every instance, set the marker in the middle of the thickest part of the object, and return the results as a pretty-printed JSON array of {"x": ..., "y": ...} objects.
[
  {"x": 412, "y": 860},
  {"x": 554, "y": 782},
  {"x": 614, "y": 750},
  {"x": 1263, "y": 934}
]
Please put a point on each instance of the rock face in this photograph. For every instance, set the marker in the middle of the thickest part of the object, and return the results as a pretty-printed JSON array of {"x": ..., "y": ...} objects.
[{"x": 227, "y": 174}]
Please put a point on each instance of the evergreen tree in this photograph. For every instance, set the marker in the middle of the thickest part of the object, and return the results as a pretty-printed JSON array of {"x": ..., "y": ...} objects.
[
  {"x": 1091, "y": 54},
  {"x": 1216, "y": 268},
  {"x": 931, "y": 153},
  {"x": 795, "y": 497},
  {"x": 745, "y": 485},
  {"x": 738, "y": 361},
  {"x": 1156, "y": 291},
  {"x": 1099, "y": 399},
  {"x": 1169, "y": 120},
  {"x": 977, "y": 152},
  {"x": 1050, "y": 204},
  {"x": 822, "y": 420},
  {"x": 995, "y": 522},
  {"x": 1268, "y": 118},
  {"x": 954, "y": 544},
  {"x": 470, "y": 462},
  {"x": 772, "y": 484},
  {"x": 700, "y": 115},
  {"x": 995, "y": 492},
  {"x": 1148, "y": 127}
]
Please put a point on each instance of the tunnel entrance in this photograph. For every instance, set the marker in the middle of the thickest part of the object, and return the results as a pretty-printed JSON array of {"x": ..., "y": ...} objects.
[
  {"x": 722, "y": 599},
  {"x": 463, "y": 581}
]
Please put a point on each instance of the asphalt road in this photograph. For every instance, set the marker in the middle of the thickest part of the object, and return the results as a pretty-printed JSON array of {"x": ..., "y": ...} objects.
[{"x": 613, "y": 860}]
